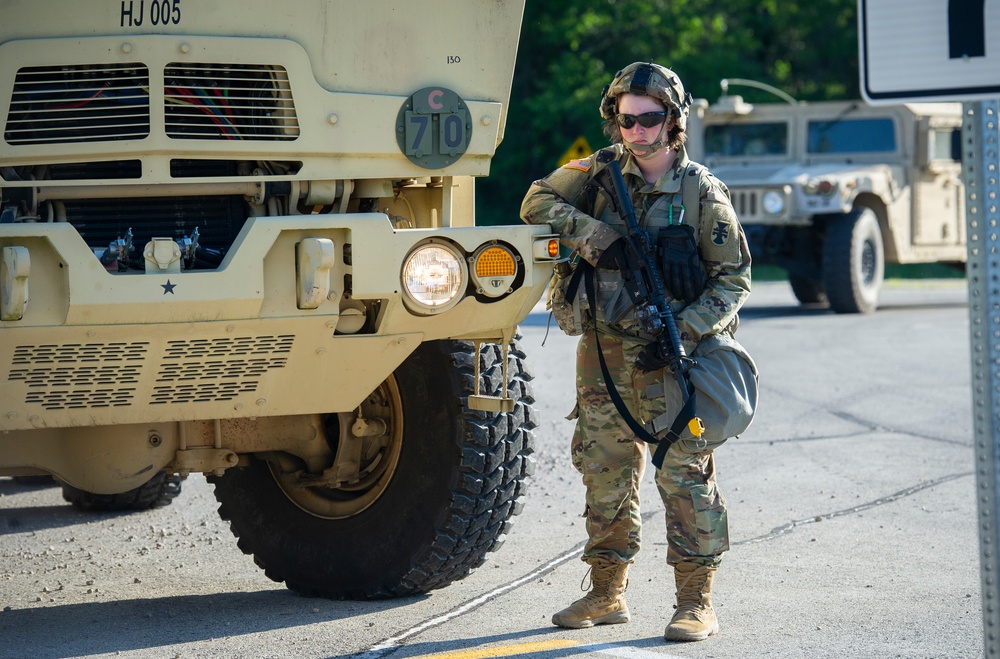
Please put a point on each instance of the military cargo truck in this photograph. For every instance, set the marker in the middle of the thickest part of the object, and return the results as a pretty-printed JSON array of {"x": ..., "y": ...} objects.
[
  {"x": 240, "y": 241},
  {"x": 832, "y": 191}
]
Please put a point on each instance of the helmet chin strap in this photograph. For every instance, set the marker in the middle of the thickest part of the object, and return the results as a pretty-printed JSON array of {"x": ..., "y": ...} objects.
[{"x": 643, "y": 151}]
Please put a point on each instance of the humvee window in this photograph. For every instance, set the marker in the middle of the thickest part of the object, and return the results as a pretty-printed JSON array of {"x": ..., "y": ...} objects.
[
  {"x": 946, "y": 144},
  {"x": 852, "y": 136},
  {"x": 762, "y": 139}
]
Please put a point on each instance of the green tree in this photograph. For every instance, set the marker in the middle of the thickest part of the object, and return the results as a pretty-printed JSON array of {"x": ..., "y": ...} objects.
[{"x": 569, "y": 50}]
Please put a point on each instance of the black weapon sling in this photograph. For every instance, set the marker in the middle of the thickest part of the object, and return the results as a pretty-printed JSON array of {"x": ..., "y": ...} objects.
[{"x": 687, "y": 413}]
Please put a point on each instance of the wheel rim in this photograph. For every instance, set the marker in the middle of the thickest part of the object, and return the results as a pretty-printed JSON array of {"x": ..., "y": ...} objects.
[
  {"x": 377, "y": 460},
  {"x": 868, "y": 261}
]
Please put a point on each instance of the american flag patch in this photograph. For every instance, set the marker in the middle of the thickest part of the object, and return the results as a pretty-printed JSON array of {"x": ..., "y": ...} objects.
[{"x": 583, "y": 164}]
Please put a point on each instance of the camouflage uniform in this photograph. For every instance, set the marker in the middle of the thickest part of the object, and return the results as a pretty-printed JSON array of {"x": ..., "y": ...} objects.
[{"x": 604, "y": 449}]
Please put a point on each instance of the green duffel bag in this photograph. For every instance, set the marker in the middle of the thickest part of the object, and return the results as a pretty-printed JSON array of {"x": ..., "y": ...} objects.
[{"x": 725, "y": 383}]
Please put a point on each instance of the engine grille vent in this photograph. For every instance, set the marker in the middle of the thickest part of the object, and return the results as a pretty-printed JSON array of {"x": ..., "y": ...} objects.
[
  {"x": 97, "y": 375},
  {"x": 228, "y": 102},
  {"x": 80, "y": 353},
  {"x": 70, "y": 376},
  {"x": 70, "y": 104},
  {"x": 79, "y": 376},
  {"x": 236, "y": 346},
  {"x": 81, "y": 399},
  {"x": 209, "y": 370}
]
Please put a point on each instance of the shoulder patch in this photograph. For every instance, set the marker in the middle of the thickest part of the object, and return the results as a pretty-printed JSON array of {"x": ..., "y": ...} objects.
[
  {"x": 720, "y": 235},
  {"x": 583, "y": 164}
]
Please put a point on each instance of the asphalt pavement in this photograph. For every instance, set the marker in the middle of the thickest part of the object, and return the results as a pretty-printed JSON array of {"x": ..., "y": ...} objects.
[{"x": 852, "y": 517}]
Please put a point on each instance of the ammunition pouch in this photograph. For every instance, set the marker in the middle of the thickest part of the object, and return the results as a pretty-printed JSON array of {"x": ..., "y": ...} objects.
[{"x": 567, "y": 300}]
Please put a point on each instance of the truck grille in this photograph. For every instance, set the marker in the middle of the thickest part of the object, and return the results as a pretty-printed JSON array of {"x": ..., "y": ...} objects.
[
  {"x": 70, "y": 104},
  {"x": 228, "y": 102},
  {"x": 745, "y": 204},
  {"x": 101, "y": 221},
  {"x": 108, "y": 102}
]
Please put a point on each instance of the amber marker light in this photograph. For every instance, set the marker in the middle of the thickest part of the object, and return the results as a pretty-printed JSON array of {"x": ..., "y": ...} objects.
[
  {"x": 545, "y": 248},
  {"x": 495, "y": 262},
  {"x": 553, "y": 248},
  {"x": 494, "y": 270}
]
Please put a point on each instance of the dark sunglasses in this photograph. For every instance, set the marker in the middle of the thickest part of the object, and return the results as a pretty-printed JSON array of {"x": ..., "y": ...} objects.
[{"x": 646, "y": 119}]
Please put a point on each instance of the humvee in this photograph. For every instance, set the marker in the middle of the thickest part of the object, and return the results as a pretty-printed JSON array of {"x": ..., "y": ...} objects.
[
  {"x": 832, "y": 191},
  {"x": 241, "y": 242}
]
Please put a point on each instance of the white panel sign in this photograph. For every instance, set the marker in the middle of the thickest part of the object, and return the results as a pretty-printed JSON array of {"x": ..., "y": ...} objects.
[{"x": 929, "y": 50}]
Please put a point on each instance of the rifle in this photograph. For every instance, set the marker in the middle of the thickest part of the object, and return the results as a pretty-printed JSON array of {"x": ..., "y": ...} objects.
[{"x": 644, "y": 285}]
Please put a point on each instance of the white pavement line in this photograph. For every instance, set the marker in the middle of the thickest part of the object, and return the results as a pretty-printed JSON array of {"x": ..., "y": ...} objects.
[
  {"x": 779, "y": 531},
  {"x": 390, "y": 645},
  {"x": 624, "y": 652}
]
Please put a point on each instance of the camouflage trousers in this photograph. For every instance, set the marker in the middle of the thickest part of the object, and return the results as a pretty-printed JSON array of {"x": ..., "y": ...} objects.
[{"x": 613, "y": 461}]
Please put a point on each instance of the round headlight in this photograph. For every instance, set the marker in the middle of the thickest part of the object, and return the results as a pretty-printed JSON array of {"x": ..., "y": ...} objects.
[
  {"x": 433, "y": 277},
  {"x": 773, "y": 202}
]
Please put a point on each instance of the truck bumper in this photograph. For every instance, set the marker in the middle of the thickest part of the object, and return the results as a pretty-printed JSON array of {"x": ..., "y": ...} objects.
[{"x": 93, "y": 348}]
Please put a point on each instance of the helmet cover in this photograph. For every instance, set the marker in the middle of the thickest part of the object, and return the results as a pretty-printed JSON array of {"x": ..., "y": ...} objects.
[{"x": 647, "y": 79}]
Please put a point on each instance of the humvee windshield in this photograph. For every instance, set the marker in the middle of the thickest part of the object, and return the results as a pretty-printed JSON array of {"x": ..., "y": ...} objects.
[
  {"x": 761, "y": 139},
  {"x": 852, "y": 136}
]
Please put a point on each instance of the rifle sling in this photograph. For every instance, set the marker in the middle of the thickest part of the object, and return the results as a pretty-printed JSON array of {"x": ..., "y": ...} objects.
[{"x": 687, "y": 412}]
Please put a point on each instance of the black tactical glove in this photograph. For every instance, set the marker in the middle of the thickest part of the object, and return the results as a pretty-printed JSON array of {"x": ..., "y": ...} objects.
[
  {"x": 651, "y": 358},
  {"x": 612, "y": 257},
  {"x": 680, "y": 261}
]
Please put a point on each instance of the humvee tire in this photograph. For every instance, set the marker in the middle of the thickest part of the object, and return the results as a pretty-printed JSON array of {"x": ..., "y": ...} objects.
[
  {"x": 158, "y": 491},
  {"x": 807, "y": 291},
  {"x": 853, "y": 261},
  {"x": 435, "y": 495}
]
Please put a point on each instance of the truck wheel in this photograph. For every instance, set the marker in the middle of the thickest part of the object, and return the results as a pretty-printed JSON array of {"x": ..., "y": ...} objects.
[
  {"x": 160, "y": 490},
  {"x": 35, "y": 481},
  {"x": 433, "y": 493},
  {"x": 853, "y": 261},
  {"x": 807, "y": 291}
]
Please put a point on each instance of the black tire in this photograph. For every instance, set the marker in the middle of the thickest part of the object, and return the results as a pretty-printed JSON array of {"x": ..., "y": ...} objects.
[
  {"x": 807, "y": 291},
  {"x": 35, "y": 481},
  {"x": 456, "y": 476},
  {"x": 853, "y": 261},
  {"x": 158, "y": 491}
]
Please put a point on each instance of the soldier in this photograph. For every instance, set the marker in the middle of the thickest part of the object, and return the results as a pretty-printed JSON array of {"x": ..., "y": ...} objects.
[{"x": 706, "y": 270}]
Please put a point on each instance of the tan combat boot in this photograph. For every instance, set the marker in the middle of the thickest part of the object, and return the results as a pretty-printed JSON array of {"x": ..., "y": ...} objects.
[
  {"x": 694, "y": 619},
  {"x": 605, "y": 603}
]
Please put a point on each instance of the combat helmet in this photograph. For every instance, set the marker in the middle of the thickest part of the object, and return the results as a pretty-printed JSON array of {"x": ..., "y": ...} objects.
[{"x": 647, "y": 79}]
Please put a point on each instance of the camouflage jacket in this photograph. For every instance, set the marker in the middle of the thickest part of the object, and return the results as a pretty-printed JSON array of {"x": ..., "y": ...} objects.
[{"x": 586, "y": 225}]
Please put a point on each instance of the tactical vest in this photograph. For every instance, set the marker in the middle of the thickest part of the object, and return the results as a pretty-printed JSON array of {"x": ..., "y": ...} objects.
[{"x": 614, "y": 309}]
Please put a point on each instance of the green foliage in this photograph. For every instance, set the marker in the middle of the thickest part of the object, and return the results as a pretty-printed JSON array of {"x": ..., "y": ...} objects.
[{"x": 570, "y": 49}]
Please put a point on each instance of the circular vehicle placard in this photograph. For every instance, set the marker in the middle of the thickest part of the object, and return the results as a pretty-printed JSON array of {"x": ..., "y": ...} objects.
[{"x": 433, "y": 127}]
